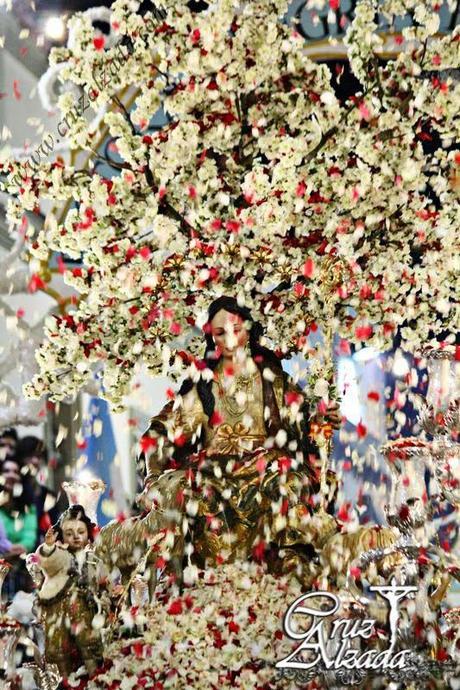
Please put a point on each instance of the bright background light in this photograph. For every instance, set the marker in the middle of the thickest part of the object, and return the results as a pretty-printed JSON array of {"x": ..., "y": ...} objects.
[
  {"x": 400, "y": 364},
  {"x": 55, "y": 28},
  {"x": 85, "y": 476},
  {"x": 366, "y": 354}
]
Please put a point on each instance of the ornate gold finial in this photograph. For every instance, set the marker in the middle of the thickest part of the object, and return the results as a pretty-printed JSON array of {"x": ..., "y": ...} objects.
[{"x": 86, "y": 494}]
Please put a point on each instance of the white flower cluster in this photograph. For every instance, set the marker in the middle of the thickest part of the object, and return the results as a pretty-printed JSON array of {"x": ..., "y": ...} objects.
[
  {"x": 260, "y": 180},
  {"x": 208, "y": 637}
]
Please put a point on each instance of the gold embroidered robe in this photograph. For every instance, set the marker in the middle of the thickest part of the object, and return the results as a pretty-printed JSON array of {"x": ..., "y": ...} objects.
[{"x": 249, "y": 487}]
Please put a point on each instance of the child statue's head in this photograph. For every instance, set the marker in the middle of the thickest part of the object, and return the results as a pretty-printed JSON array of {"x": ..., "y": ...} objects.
[{"x": 75, "y": 528}]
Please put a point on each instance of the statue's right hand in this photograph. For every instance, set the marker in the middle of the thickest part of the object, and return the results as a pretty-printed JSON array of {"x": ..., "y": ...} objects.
[{"x": 50, "y": 537}]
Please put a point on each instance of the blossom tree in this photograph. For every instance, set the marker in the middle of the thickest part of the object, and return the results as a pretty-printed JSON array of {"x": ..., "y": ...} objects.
[{"x": 262, "y": 184}]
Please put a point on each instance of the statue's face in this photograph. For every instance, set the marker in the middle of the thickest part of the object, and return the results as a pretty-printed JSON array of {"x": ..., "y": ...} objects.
[
  {"x": 228, "y": 332},
  {"x": 75, "y": 534}
]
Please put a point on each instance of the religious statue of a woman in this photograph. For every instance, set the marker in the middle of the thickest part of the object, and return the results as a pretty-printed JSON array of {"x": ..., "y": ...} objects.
[{"x": 232, "y": 454}]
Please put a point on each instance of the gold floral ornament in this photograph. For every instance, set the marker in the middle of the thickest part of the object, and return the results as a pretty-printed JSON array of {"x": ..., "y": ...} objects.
[
  {"x": 261, "y": 254},
  {"x": 174, "y": 263},
  {"x": 319, "y": 432},
  {"x": 231, "y": 439},
  {"x": 231, "y": 251}
]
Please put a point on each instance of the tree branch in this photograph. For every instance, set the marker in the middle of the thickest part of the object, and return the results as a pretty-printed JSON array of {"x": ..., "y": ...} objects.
[{"x": 126, "y": 114}]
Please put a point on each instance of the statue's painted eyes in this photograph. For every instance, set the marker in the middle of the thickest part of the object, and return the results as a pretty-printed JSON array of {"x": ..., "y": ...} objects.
[{"x": 221, "y": 331}]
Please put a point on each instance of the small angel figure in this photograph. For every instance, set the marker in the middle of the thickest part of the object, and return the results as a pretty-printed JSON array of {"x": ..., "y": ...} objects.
[{"x": 72, "y": 598}]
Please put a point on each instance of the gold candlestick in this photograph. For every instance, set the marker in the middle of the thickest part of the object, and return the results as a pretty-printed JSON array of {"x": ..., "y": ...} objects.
[{"x": 331, "y": 276}]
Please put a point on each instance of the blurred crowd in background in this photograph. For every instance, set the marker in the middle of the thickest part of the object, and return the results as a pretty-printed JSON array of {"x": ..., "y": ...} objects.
[{"x": 28, "y": 507}]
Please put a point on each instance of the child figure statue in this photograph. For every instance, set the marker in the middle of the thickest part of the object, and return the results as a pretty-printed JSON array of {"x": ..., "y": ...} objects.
[{"x": 71, "y": 599}]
